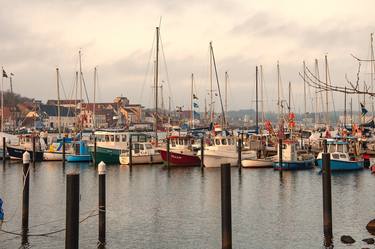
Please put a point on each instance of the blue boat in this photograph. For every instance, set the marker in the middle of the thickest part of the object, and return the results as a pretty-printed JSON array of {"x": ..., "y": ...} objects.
[
  {"x": 340, "y": 158},
  {"x": 82, "y": 153},
  {"x": 291, "y": 159}
]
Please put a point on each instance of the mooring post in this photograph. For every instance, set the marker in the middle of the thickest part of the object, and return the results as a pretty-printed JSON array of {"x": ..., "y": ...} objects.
[
  {"x": 327, "y": 197},
  {"x": 25, "y": 193},
  {"x": 72, "y": 210},
  {"x": 202, "y": 152},
  {"x": 168, "y": 152},
  {"x": 94, "y": 159},
  {"x": 4, "y": 151},
  {"x": 34, "y": 149},
  {"x": 102, "y": 203},
  {"x": 130, "y": 151},
  {"x": 63, "y": 151},
  {"x": 239, "y": 152},
  {"x": 226, "y": 207}
]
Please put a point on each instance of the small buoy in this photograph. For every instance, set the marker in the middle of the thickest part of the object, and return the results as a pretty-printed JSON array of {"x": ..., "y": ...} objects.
[
  {"x": 369, "y": 241},
  {"x": 347, "y": 239}
]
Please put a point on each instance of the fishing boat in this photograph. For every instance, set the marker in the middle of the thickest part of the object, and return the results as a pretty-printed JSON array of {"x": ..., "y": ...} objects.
[
  {"x": 142, "y": 153},
  {"x": 24, "y": 144},
  {"x": 341, "y": 160},
  {"x": 82, "y": 153},
  {"x": 291, "y": 159},
  {"x": 223, "y": 149},
  {"x": 257, "y": 162},
  {"x": 180, "y": 152}
]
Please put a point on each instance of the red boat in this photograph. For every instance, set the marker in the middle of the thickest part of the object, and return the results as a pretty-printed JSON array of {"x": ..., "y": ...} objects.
[{"x": 180, "y": 152}]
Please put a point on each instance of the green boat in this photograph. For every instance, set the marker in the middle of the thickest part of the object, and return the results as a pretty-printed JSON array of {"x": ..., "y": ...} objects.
[{"x": 110, "y": 143}]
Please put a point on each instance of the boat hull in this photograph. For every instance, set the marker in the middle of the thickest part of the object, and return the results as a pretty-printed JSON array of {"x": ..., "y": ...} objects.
[
  {"x": 338, "y": 165},
  {"x": 141, "y": 159},
  {"x": 256, "y": 163},
  {"x": 78, "y": 158},
  {"x": 16, "y": 152},
  {"x": 294, "y": 165},
  {"x": 215, "y": 161},
  {"x": 52, "y": 156},
  {"x": 107, "y": 155},
  {"x": 178, "y": 159}
]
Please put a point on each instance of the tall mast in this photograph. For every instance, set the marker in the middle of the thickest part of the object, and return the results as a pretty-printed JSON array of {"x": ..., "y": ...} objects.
[
  {"x": 226, "y": 94},
  {"x": 156, "y": 83},
  {"x": 2, "y": 99},
  {"x": 317, "y": 119},
  {"x": 345, "y": 108},
  {"x": 211, "y": 96},
  {"x": 58, "y": 101},
  {"x": 304, "y": 92},
  {"x": 80, "y": 88},
  {"x": 191, "y": 102},
  {"x": 326, "y": 69},
  {"x": 289, "y": 98},
  {"x": 94, "y": 105},
  {"x": 256, "y": 100},
  {"x": 351, "y": 111},
  {"x": 261, "y": 92},
  {"x": 372, "y": 74},
  {"x": 278, "y": 88},
  {"x": 76, "y": 97}
]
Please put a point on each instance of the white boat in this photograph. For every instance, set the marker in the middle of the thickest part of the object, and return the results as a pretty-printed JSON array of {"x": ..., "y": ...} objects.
[
  {"x": 222, "y": 150},
  {"x": 257, "y": 163},
  {"x": 142, "y": 153}
]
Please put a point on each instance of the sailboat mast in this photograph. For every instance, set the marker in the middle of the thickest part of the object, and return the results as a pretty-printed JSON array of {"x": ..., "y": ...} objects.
[
  {"x": 345, "y": 108},
  {"x": 80, "y": 87},
  {"x": 226, "y": 94},
  {"x": 58, "y": 101},
  {"x": 326, "y": 71},
  {"x": 76, "y": 97},
  {"x": 316, "y": 93},
  {"x": 261, "y": 93},
  {"x": 278, "y": 89},
  {"x": 2, "y": 99},
  {"x": 289, "y": 97},
  {"x": 191, "y": 102},
  {"x": 372, "y": 74},
  {"x": 94, "y": 104},
  {"x": 304, "y": 92},
  {"x": 351, "y": 111},
  {"x": 256, "y": 100},
  {"x": 156, "y": 84},
  {"x": 211, "y": 96}
]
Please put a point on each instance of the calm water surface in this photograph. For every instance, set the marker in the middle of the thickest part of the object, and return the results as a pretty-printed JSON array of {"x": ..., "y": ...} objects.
[{"x": 152, "y": 207}]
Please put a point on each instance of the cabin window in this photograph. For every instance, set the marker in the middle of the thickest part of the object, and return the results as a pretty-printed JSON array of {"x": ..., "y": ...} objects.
[
  {"x": 148, "y": 146},
  {"x": 342, "y": 155},
  {"x": 111, "y": 137},
  {"x": 331, "y": 149},
  {"x": 136, "y": 148},
  {"x": 230, "y": 141},
  {"x": 106, "y": 138},
  {"x": 223, "y": 141},
  {"x": 117, "y": 138},
  {"x": 335, "y": 156},
  {"x": 123, "y": 138},
  {"x": 217, "y": 141},
  {"x": 173, "y": 143},
  {"x": 141, "y": 147},
  {"x": 340, "y": 148}
]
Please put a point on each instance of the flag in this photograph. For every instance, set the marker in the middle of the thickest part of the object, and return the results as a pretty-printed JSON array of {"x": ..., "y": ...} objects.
[
  {"x": 363, "y": 110},
  {"x": 5, "y": 74},
  {"x": 195, "y": 105},
  {"x": 195, "y": 97}
]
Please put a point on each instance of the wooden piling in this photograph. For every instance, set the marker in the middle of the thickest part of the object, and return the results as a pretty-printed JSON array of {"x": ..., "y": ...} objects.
[
  {"x": 4, "y": 151},
  {"x": 63, "y": 151},
  {"x": 327, "y": 197},
  {"x": 25, "y": 193},
  {"x": 168, "y": 152},
  {"x": 239, "y": 163},
  {"x": 281, "y": 155},
  {"x": 34, "y": 150},
  {"x": 94, "y": 159},
  {"x": 102, "y": 204},
  {"x": 202, "y": 152},
  {"x": 226, "y": 207},
  {"x": 72, "y": 211},
  {"x": 130, "y": 151}
]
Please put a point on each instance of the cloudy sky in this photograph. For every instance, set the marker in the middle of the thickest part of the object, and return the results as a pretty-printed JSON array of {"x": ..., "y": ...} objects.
[{"x": 117, "y": 37}]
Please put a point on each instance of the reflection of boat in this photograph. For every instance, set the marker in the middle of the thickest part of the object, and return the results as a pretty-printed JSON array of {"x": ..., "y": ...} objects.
[
  {"x": 180, "y": 152},
  {"x": 82, "y": 153},
  {"x": 223, "y": 149},
  {"x": 340, "y": 159},
  {"x": 257, "y": 163},
  {"x": 142, "y": 153},
  {"x": 25, "y": 144},
  {"x": 291, "y": 160}
]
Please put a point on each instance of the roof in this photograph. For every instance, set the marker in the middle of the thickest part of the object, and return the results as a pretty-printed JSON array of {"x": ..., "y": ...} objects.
[{"x": 51, "y": 110}]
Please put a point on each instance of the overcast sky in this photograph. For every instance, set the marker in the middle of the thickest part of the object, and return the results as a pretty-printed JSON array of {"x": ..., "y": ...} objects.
[{"x": 117, "y": 36}]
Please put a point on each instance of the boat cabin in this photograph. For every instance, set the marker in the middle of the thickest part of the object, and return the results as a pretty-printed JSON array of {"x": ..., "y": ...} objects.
[
  {"x": 339, "y": 150},
  {"x": 222, "y": 141},
  {"x": 180, "y": 142},
  {"x": 289, "y": 150}
]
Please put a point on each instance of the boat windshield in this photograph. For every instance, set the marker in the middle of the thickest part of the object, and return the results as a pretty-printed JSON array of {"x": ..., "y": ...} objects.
[
  {"x": 148, "y": 146},
  {"x": 217, "y": 141},
  {"x": 340, "y": 148},
  {"x": 223, "y": 141}
]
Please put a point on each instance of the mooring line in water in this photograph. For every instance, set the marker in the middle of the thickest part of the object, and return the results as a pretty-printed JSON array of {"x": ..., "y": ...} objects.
[{"x": 49, "y": 233}]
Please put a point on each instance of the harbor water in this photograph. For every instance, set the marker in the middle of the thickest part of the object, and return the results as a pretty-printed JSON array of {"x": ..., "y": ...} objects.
[{"x": 156, "y": 207}]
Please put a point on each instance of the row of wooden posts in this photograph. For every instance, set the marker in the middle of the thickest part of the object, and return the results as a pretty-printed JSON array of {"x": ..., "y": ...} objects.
[{"x": 72, "y": 198}]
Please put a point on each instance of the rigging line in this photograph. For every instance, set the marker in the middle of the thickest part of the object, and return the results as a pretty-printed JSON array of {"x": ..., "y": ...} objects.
[
  {"x": 84, "y": 86},
  {"x": 147, "y": 68},
  {"x": 218, "y": 85},
  {"x": 166, "y": 69}
]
